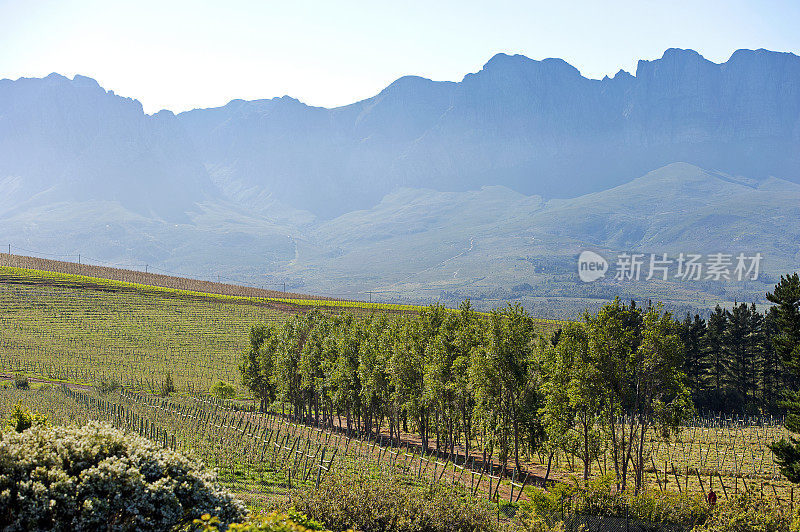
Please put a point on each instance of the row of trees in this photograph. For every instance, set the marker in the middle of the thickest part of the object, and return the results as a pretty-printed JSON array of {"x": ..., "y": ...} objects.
[
  {"x": 460, "y": 378},
  {"x": 731, "y": 363}
]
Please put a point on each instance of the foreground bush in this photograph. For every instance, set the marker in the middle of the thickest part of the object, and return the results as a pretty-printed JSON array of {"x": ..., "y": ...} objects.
[
  {"x": 98, "y": 478},
  {"x": 291, "y": 521},
  {"x": 22, "y": 419},
  {"x": 598, "y": 497},
  {"x": 748, "y": 512},
  {"x": 352, "y": 498}
]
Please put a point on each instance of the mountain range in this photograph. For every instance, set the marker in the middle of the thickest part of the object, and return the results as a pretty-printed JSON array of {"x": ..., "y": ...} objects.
[{"x": 485, "y": 188}]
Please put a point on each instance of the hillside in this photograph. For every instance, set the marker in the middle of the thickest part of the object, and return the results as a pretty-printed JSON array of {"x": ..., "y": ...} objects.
[
  {"x": 133, "y": 327},
  {"x": 484, "y": 244},
  {"x": 145, "y": 278},
  {"x": 65, "y": 140}
]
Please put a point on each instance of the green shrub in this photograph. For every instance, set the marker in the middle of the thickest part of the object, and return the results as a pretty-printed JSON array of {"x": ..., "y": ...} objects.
[
  {"x": 291, "y": 521},
  {"x": 357, "y": 499},
  {"x": 535, "y": 523},
  {"x": 543, "y": 503},
  {"x": 669, "y": 507},
  {"x": 21, "y": 382},
  {"x": 98, "y": 478},
  {"x": 223, "y": 390},
  {"x": 22, "y": 419},
  {"x": 598, "y": 497},
  {"x": 111, "y": 386},
  {"x": 167, "y": 385},
  {"x": 747, "y": 512}
]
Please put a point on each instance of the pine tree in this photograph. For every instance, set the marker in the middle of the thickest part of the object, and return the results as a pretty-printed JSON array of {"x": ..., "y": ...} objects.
[
  {"x": 774, "y": 378},
  {"x": 755, "y": 355},
  {"x": 786, "y": 297},
  {"x": 715, "y": 338},
  {"x": 696, "y": 363},
  {"x": 735, "y": 349}
]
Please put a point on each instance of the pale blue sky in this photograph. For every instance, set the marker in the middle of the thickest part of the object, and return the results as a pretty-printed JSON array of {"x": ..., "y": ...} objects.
[{"x": 185, "y": 54}]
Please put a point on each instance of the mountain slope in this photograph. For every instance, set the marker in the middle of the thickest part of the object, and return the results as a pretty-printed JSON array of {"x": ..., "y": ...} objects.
[
  {"x": 485, "y": 188},
  {"x": 537, "y": 127},
  {"x": 478, "y": 241},
  {"x": 70, "y": 140}
]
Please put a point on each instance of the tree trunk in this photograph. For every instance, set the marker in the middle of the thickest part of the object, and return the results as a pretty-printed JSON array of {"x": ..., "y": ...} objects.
[{"x": 549, "y": 464}]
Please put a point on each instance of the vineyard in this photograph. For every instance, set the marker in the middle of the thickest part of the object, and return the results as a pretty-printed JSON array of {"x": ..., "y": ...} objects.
[
  {"x": 83, "y": 329},
  {"x": 135, "y": 338},
  {"x": 86, "y": 331},
  {"x": 140, "y": 278},
  {"x": 262, "y": 456},
  {"x": 727, "y": 455},
  {"x": 14, "y": 267},
  {"x": 258, "y": 455}
]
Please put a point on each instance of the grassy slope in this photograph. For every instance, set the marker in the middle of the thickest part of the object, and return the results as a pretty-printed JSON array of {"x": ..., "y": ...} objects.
[
  {"x": 133, "y": 336},
  {"x": 84, "y": 329}
]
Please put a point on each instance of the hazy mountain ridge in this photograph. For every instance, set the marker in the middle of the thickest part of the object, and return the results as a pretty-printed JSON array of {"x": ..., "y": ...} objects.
[
  {"x": 678, "y": 208},
  {"x": 463, "y": 188},
  {"x": 70, "y": 140},
  {"x": 537, "y": 127}
]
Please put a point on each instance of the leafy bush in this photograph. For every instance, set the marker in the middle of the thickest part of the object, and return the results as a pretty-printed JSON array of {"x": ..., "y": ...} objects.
[
  {"x": 353, "y": 498},
  {"x": 22, "y": 419},
  {"x": 109, "y": 386},
  {"x": 535, "y": 523},
  {"x": 95, "y": 477},
  {"x": 669, "y": 507},
  {"x": 223, "y": 390},
  {"x": 291, "y": 521},
  {"x": 597, "y": 497},
  {"x": 167, "y": 385},
  {"x": 747, "y": 512},
  {"x": 21, "y": 382}
]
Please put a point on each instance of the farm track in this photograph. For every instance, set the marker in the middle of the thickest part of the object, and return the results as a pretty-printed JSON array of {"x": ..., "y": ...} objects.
[{"x": 54, "y": 382}]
